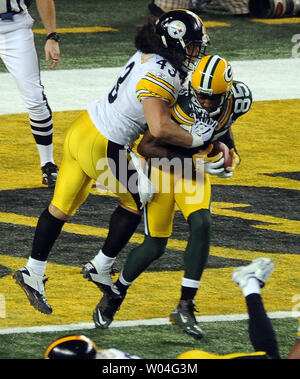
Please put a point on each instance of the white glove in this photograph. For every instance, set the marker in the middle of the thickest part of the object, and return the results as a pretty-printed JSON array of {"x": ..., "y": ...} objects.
[
  {"x": 202, "y": 130},
  {"x": 211, "y": 165},
  {"x": 145, "y": 186}
]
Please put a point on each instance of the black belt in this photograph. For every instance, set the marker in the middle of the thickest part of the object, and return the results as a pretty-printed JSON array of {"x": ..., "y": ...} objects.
[{"x": 7, "y": 16}]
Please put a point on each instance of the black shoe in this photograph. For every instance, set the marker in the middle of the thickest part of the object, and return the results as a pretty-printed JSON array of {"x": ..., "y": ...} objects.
[
  {"x": 183, "y": 316},
  {"x": 49, "y": 177},
  {"x": 106, "y": 309},
  {"x": 102, "y": 278},
  {"x": 34, "y": 287}
]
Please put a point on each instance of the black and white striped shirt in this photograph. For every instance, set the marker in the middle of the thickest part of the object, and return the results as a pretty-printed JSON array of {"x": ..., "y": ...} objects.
[{"x": 13, "y": 5}]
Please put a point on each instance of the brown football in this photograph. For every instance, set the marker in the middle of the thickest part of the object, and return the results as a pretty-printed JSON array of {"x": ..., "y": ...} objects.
[{"x": 221, "y": 147}]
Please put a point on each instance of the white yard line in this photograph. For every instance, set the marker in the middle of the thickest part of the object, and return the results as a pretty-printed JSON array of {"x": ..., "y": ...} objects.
[
  {"x": 147, "y": 322},
  {"x": 73, "y": 89}
]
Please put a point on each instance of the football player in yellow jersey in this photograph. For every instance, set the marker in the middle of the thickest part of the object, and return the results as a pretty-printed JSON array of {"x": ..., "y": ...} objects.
[
  {"x": 216, "y": 96},
  {"x": 95, "y": 145}
]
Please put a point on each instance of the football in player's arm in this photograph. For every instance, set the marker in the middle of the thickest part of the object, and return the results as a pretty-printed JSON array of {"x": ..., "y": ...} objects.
[
  {"x": 186, "y": 112},
  {"x": 208, "y": 108}
]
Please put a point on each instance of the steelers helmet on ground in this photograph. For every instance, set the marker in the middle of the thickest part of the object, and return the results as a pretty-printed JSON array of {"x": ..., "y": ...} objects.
[
  {"x": 179, "y": 29},
  {"x": 212, "y": 79},
  {"x": 72, "y": 347}
]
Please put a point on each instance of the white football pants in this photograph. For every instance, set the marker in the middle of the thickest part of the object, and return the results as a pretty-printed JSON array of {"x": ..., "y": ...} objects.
[{"x": 18, "y": 53}]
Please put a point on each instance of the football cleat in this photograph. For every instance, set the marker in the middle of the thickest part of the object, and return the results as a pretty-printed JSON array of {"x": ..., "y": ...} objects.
[
  {"x": 49, "y": 174},
  {"x": 102, "y": 278},
  {"x": 34, "y": 287},
  {"x": 260, "y": 268},
  {"x": 103, "y": 314},
  {"x": 183, "y": 316}
]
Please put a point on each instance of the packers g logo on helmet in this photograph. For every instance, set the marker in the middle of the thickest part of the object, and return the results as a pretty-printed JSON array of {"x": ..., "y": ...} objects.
[
  {"x": 228, "y": 74},
  {"x": 213, "y": 77}
]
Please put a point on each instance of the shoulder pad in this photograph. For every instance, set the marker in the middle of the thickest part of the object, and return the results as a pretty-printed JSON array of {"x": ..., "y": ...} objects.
[{"x": 242, "y": 98}]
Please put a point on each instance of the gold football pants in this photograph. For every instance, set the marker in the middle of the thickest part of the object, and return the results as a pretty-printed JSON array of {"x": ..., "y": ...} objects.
[
  {"x": 188, "y": 193},
  {"x": 88, "y": 156}
]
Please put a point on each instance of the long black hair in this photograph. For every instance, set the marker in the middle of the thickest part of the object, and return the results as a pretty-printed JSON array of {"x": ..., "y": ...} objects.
[{"x": 148, "y": 42}]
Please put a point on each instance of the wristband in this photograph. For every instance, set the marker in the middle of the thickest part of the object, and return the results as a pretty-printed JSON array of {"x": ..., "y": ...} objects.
[
  {"x": 197, "y": 140},
  {"x": 53, "y": 36}
]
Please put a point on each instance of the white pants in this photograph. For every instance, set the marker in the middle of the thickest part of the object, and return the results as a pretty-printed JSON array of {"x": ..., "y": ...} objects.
[{"x": 18, "y": 53}]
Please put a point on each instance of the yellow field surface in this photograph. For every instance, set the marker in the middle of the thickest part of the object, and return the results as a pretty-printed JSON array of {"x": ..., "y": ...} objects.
[{"x": 267, "y": 141}]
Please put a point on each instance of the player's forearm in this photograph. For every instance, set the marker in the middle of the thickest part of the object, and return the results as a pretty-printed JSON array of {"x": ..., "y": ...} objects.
[
  {"x": 162, "y": 127},
  {"x": 149, "y": 147},
  {"x": 46, "y": 9},
  {"x": 172, "y": 133}
]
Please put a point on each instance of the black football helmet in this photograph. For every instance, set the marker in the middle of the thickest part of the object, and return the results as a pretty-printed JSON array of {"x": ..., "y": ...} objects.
[
  {"x": 179, "y": 29},
  {"x": 72, "y": 347}
]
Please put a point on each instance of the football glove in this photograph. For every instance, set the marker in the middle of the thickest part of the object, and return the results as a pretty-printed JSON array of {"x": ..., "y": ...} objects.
[
  {"x": 211, "y": 165},
  {"x": 145, "y": 186},
  {"x": 228, "y": 172},
  {"x": 203, "y": 129}
]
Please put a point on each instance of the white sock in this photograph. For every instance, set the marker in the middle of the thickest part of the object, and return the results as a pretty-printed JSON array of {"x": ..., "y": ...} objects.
[
  {"x": 252, "y": 286},
  {"x": 103, "y": 261},
  {"x": 123, "y": 281},
  {"x": 190, "y": 283},
  {"x": 38, "y": 267},
  {"x": 46, "y": 154}
]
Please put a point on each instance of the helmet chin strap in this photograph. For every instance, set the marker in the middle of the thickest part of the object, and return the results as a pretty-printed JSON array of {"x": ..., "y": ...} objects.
[{"x": 164, "y": 41}]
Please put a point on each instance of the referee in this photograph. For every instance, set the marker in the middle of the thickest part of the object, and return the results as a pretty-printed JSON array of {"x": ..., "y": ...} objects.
[{"x": 18, "y": 53}]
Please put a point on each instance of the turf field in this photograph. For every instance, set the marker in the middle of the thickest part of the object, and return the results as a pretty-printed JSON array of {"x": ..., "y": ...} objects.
[{"x": 256, "y": 213}]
